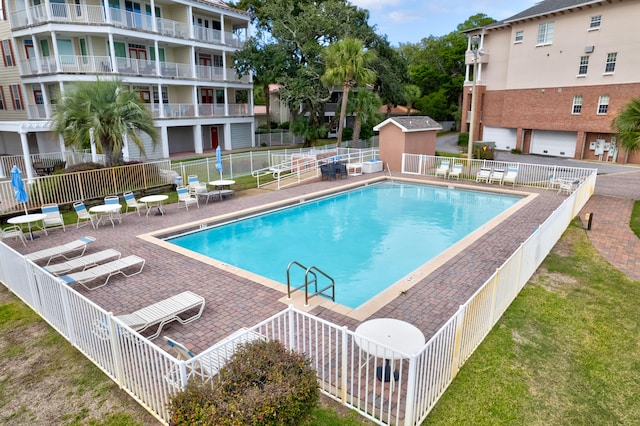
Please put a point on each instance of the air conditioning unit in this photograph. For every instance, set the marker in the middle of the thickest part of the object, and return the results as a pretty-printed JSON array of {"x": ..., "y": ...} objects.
[{"x": 588, "y": 49}]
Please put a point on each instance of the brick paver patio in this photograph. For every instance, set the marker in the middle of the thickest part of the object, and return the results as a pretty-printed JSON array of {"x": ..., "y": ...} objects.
[{"x": 233, "y": 302}]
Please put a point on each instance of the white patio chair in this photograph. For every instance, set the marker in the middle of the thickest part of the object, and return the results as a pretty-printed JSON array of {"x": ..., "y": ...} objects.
[
  {"x": 185, "y": 198},
  {"x": 483, "y": 174},
  {"x": 195, "y": 186},
  {"x": 456, "y": 171},
  {"x": 132, "y": 203},
  {"x": 443, "y": 169},
  {"x": 13, "y": 231},
  {"x": 84, "y": 216},
  {"x": 116, "y": 214},
  {"x": 511, "y": 176},
  {"x": 54, "y": 218},
  {"x": 497, "y": 175}
]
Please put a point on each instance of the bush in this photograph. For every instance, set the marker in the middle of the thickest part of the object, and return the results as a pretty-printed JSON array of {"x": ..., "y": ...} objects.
[
  {"x": 347, "y": 134},
  {"x": 262, "y": 384},
  {"x": 463, "y": 139},
  {"x": 516, "y": 151},
  {"x": 285, "y": 125}
]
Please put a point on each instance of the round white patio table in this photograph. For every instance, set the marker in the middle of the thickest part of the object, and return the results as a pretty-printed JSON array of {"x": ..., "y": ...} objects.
[
  {"x": 29, "y": 220},
  {"x": 105, "y": 211},
  {"x": 222, "y": 183},
  {"x": 393, "y": 334},
  {"x": 154, "y": 201}
]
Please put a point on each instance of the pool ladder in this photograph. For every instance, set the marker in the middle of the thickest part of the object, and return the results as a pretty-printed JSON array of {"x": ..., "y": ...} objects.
[{"x": 310, "y": 278}]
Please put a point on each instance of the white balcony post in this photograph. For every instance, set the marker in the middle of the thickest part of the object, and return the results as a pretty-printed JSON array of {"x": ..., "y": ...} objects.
[
  {"x": 195, "y": 103},
  {"x": 192, "y": 58},
  {"x": 226, "y": 103},
  {"x": 112, "y": 53},
  {"x": 223, "y": 34},
  {"x": 45, "y": 99},
  {"x": 224, "y": 67},
  {"x": 160, "y": 101},
  {"x": 197, "y": 138},
  {"x": 107, "y": 11},
  {"x": 156, "y": 48},
  {"x": 26, "y": 154},
  {"x": 47, "y": 10},
  {"x": 27, "y": 9},
  {"x": 36, "y": 51},
  {"x": 56, "y": 53},
  {"x": 164, "y": 141},
  {"x": 191, "y": 24},
  {"x": 154, "y": 21}
]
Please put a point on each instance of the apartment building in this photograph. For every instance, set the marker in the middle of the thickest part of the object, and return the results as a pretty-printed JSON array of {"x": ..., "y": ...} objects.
[
  {"x": 551, "y": 79},
  {"x": 177, "y": 54}
]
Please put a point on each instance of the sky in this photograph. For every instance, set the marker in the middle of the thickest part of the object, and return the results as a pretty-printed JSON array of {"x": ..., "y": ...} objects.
[{"x": 409, "y": 21}]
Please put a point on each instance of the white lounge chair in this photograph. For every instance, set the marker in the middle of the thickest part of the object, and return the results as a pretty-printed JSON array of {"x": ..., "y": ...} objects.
[
  {"x": 214, "y": 358},
  {"x": 443, "y": 169},
  {"x": 496, "y": 176},
  {"x": 195, "y": 185},
  {"x": 83, "y": 262},
  {"x": 511, "y": 176},
  {"x": 165, "y": 311},
  {"x": 483, "y": 174},
  {"x": 53, "y": 217},
  {"x": 107, "y": 270},
  {"x": 456, "y": 171},
  {"x": 186, "y": 198},
  {"x": 13, "y": 231},
  {"x": 61, "y": 251}
]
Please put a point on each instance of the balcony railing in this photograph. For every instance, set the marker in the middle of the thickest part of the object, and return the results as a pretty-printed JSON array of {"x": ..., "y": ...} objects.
[
  {"x": 102, "y": 65},
  {"x": 80, "y": 14},
  {"x": 39, "y": 112},
  {"x": 189, "y": 110},
  {"x": 232, "y": 75}
]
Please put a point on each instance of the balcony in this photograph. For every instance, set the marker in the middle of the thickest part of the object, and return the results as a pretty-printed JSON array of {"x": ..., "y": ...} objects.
[
  {"x": 92, "y": 15},
  {"x": 70, "y": 64}
]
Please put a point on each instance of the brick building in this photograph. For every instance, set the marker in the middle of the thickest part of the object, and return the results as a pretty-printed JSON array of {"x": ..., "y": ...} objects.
[{"x": 551, "y": 79}]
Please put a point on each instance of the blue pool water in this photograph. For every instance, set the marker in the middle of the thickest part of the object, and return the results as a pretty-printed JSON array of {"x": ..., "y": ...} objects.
[{"x": 366, "y": 239}]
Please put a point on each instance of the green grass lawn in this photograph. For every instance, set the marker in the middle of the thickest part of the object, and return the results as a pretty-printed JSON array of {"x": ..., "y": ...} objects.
[{"x": 566, "y": 352}]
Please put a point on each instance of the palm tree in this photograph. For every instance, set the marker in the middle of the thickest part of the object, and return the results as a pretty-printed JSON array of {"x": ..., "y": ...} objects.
[
  {"x": 366, "y": 108},
  {"x": 109, "y": 110},
  {"x": 346, "y": 63},
  {"x": 627, "y": 127}
]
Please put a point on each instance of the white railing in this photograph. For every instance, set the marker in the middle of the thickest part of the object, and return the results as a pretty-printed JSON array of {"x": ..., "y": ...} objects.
[
  {"x": 174, "y": 70},
  {"x": 537, "y": 175},
  {"x": 239, "y": 109},
  {"x": 211, "y": 110},
  {"x": 207, "y": 34},
  {"x": 136, "y": 66},
  {"x": 232, "y": 75},
  {"x": 234, "y": 40},
  {"x": 38, "y": 112},
  {"x": 209, "y": 73},
  {"x": 345, "y": 367},
  {"x": 277, "y": 138},
  {"x": 172, "y": 28}
]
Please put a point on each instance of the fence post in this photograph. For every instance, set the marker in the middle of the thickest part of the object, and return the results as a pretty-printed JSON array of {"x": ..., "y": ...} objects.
[
  {"x": 115, "y": 350},
  {"x": 68, "y": 318},
  {"x": 493, "y": 298},
  {"x": 343, "y": 381},
  {"x": 455, "y": 362},
  {"x": 291, "y": 328},
  {"x": 411, "y": 391}
]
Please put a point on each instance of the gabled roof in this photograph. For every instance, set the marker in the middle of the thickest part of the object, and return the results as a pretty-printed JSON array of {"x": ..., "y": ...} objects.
[
  {"x": 549, "y": 6},
  {"x": 411, "y": 123}
]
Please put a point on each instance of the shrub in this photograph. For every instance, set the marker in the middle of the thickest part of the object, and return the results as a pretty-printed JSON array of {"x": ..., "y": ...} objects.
[
  {"x": 262, "y": 384},
  {"x": 347, "y": 134},
  {"x": 285, "y": 125},
  {"x": 516, "y": 151},
  {"x": 463, "y": 139}
]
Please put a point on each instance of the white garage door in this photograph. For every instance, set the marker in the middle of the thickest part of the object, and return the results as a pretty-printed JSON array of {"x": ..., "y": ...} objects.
[
  {"x": 558, "y": 144},
  {"x": 504, "y": 138}
]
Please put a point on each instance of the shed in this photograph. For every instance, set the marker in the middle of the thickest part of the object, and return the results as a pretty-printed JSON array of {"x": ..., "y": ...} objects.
[{"x": 410, "y": 134}]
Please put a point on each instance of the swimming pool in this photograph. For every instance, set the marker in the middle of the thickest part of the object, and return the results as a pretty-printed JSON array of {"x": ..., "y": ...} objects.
[{"x": 366, "y": 239}]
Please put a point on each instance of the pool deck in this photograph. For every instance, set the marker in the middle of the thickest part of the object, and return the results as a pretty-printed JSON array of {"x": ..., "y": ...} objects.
[{"x": 233, "y": 301}]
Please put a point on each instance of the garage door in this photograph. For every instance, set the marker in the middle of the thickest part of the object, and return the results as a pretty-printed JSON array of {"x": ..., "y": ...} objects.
[
  {"x": 558, "y": 144},
  {"x": 504, "y": 138},
  {"x": 241, "y": 135}
]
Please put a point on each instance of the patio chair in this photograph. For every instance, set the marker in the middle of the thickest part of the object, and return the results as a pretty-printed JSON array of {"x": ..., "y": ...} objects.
[
  {"x": 195, "y": 185},
  {"x": 54, "y": 218},
  {"x": 496, "y": 176},
  {"x": 186, "y": 198},
  {"x": 13, "y": 231},
  {"x": 164, "y": 312},
  {"x": 455, "y": 171},
  {"x": 132, "y": 203},
  {"x": 483, "y": 174},
  {"x": 443, "y": 169},
  {"x": 341, "y": 170},
  {"x": 328, "y": 172},
  {"x": 210, "y": 363},
  {"x": 113, "y": 200},
  {"x": 107, "y": 270},
  {"x": 511, "y": 176},
  {"x": 61, "y": 251},
  {"x": 83, "y": 262},
  {"x": 83, "y": 215},
  {"x": 568, "y": 185}
]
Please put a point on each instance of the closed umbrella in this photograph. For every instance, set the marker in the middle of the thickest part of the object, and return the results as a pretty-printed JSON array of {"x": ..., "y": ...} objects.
[
  {"x": 219, "y": 161},
  {"x": 17, "y": 184}
]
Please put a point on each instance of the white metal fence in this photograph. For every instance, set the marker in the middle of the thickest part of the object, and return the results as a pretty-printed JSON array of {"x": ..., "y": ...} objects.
[{"x": 342, "y": 360}]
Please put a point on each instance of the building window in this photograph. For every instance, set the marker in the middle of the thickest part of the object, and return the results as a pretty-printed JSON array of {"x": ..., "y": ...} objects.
[
  {"x": 519, "y": 36},
  {"x": 7, "y": 53},
  {"x": 2, "y": 103},
  {"x": 595, "y": 22},
  {"x": 545, "y": 33},
  {"x": 603, "y": 104},
  {"x": 577, "y": 105},
  {"x": 16, "y": 97},
  {"x": 610, "y": 66},
  {"x": 584, "y": 65}
]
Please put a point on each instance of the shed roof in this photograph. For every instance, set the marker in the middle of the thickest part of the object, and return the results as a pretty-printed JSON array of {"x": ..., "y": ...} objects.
[{"x": 411, "y": 123}]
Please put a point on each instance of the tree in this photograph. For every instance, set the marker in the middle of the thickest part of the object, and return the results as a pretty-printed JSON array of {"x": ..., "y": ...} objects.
[
  {"x": 266, "y": 62},
  {"x": 391, "y": 68},
  {"x": 365, "y": 106},
  {"x": 109, "y": 110},
  {"x": 347, "y": 63},
  {"x": 411, "y": 94},
  {"x": 627, "y": 127}
]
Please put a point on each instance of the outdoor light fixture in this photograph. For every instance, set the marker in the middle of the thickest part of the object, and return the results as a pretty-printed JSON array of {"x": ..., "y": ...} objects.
[{"x": 475, "y": 42}]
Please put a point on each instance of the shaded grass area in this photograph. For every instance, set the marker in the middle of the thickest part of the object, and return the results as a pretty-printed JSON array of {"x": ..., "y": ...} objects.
[
  {"x": 44, "y": 380},
  {"x": 565, "y": 352}
]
